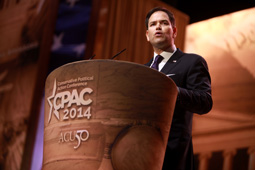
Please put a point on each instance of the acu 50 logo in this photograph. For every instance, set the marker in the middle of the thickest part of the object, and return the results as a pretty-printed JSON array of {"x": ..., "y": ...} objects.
[{"x": 66, "y": 99}]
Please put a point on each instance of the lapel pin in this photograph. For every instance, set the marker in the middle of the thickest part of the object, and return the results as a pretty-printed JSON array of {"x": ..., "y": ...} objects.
[{"x": 174, "y": 61}]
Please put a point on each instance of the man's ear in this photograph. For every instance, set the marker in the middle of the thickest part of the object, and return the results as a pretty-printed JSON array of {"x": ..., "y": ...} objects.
[
  {"x": 146, "y": 34},
  {"x": 174, "y": 32}
]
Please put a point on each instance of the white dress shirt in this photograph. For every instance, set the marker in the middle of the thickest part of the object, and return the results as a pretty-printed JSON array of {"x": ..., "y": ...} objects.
[{"x": 166, "y": 56}]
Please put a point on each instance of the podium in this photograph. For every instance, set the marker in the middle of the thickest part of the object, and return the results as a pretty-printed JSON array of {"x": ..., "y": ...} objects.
[{"x": 107, "y": 115}]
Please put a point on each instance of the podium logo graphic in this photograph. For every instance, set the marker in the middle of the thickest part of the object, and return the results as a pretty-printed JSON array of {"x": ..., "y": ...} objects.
[
  {"x": 71, "y": 136},
  {"x": 67, "y": 99}
]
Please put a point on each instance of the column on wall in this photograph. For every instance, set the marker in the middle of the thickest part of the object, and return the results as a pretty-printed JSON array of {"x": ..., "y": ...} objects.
[
  {"x": 251, "y": 152},
  {"x": 228, "y": 159},
  {"x": 204, "y": 160}
]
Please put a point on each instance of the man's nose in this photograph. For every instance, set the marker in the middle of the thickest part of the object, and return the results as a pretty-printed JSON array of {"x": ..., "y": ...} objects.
[{"x": 158, "y": 26}]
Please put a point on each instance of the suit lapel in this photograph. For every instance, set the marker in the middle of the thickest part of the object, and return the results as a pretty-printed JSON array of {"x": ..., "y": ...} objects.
[
  {"x": 172, "y": 62},
  {"x": 149, "y": 63}
]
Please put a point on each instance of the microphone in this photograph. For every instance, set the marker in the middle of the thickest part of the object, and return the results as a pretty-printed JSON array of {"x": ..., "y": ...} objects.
[
  {"x": 92, "y": 57},
  {"x": 118, "y": 53}
]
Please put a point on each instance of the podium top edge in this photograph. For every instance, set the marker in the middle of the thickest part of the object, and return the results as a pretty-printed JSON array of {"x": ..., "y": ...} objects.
[
  {"x": 96, "y": 60},
  {"x": 150, "y": 70}
]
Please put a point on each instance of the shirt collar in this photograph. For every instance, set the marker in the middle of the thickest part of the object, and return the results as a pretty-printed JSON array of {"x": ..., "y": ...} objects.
[{"x": 165, "y": 54}]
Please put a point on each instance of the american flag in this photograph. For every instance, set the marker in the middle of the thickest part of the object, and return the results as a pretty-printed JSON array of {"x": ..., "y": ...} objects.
[{"x": 70, "y": 32}]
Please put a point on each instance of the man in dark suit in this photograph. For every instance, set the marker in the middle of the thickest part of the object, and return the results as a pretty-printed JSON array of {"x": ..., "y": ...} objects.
[{"x": 191, "y": 75}]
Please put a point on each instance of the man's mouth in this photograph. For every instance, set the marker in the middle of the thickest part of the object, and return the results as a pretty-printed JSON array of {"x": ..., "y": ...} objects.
[{"x": 158, "y": 34}]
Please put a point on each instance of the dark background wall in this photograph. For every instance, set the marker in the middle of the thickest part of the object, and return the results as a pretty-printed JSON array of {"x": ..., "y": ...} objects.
[{"x": 199, "y": 10}]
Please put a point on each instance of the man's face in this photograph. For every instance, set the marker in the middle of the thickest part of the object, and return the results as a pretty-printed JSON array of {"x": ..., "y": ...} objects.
[{"x": 160, "y": 32}]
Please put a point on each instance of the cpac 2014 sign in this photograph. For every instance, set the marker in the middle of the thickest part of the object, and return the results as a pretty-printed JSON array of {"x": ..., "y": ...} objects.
[{"x": 69, "y": 103}]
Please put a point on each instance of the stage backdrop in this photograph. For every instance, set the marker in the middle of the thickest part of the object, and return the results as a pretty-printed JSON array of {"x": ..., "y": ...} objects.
[
  {"x": 116, "y": 28},
  {"x": 26, "y": 31},
  {"x": 69, "y": 45},
  {"x": 225, "y": 138}
]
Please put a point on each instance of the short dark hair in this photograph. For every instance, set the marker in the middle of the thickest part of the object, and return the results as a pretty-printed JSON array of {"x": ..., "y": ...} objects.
[{"x": 169, "y": 13}]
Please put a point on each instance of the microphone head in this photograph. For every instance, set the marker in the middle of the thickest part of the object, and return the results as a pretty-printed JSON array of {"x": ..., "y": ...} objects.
[
  {"x": 92, "y": 57},
  {"x": 118, "y": 53}
]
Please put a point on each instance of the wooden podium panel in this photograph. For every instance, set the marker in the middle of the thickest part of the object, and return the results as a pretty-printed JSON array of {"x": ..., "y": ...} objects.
[{"x": 105, "y": 114}]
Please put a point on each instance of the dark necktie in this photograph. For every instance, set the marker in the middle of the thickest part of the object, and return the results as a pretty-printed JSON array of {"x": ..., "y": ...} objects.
[{"x": 157, "y": 60}]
